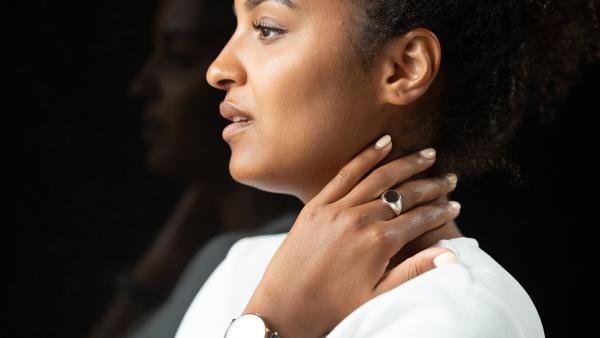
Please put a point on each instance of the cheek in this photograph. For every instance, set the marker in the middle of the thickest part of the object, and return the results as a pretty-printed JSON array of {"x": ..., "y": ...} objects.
[
  {"x": 188, "y": 121},
  {"x": 312, "y": 114},
  {"x": 182, "y": 99}
]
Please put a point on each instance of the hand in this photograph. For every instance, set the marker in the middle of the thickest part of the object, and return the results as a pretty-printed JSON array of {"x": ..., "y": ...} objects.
[{"x": 335, "y": 256}]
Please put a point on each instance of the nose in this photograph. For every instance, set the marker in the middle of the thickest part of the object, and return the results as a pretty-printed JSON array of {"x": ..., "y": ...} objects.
[
  {"x": 144, "y": 85},
  {"x": 226, "y": 70}
]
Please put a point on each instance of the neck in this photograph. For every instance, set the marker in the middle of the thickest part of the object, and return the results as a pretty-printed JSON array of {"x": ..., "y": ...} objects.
[{"x": 246, "y": 208}]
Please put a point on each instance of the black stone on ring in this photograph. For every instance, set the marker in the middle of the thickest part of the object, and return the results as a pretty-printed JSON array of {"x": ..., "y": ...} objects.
[{"x": 394, "y": 200}]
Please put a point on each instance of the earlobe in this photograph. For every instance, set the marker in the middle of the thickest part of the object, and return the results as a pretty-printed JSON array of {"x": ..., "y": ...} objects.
[{"x": 412, "y": 64}]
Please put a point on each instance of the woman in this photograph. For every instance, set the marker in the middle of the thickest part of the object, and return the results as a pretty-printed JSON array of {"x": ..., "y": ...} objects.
[
  {"x": 318, "y": 82},
  {"x": 180, "y": 134}
]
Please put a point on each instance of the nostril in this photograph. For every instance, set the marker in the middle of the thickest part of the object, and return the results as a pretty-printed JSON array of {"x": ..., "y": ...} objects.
[
  {"x": 225, "y": 72},
  {"x": 225, "y": 83}
]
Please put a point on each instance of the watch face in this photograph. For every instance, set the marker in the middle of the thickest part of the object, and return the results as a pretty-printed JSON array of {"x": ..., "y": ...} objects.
[{"x": 247, "y": 326}]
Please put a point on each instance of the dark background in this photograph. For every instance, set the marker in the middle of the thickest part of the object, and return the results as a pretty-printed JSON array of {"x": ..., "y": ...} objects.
[{"x": 86, "y": 207}]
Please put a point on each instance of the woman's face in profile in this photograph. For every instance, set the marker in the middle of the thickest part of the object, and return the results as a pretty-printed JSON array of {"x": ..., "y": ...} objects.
[
  {"x": 180, "y": 122},
  {"x": 291, "y": 67}
]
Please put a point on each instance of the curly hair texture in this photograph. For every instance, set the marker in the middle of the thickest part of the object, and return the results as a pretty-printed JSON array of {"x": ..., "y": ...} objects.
[{"x": 503, "y": 58}]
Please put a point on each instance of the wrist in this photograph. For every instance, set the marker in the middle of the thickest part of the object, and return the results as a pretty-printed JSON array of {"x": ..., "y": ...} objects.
[
  {"x": 250, "y": 325},
  {"x": 289, "y": 320}
]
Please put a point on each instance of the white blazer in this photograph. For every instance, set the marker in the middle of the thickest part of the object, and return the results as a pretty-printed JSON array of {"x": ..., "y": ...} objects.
[{"x": 476, "y": 298}]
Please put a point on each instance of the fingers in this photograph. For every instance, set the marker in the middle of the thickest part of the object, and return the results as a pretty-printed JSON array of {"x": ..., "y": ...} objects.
[
  {"x": 387, "y": 176},
  {"x": 421, "y": 191},
  {"x": 395, "y": 233},
  {"x": 414, "y": 266},
  {"x": 413, "y": 193},
  {"x": 353, "y": 171}
]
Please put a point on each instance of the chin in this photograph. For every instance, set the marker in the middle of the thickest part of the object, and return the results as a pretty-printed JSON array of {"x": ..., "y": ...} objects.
[
  {"x": 258, "y": 176},
  {"x": 159, "y": 162},
  {"x": 157, "y": 166},
  {"x": 243, "y": 172}
]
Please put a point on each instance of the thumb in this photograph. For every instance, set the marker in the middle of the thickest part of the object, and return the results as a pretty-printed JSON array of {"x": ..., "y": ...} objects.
[{"x": 414, "y": 266}]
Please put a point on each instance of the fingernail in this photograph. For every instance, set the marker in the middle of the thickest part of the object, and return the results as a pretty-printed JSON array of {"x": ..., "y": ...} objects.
[
  {"x": 428, "y": 153},
  {"x": 383, "y": 142},
  {"x": 454, "y": 205},
  {"x": 446, "y": 258},
  {"x": 452, "y": 178}
]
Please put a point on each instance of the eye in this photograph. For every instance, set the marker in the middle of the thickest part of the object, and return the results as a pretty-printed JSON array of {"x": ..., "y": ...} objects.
[
  {"x": 268, "y": 30},
  {"x": 181, "y": 60}
]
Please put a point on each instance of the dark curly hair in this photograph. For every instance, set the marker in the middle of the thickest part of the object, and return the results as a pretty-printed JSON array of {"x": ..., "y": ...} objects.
[{"x": 503, "y": 58}]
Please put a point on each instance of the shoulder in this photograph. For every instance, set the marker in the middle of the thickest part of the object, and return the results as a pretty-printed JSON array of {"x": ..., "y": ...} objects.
[
  {"x": 484, "y": 281},
  {"x": 476, "y": 298}
]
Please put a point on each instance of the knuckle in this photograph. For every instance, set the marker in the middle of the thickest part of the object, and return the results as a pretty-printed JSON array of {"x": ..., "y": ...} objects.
[
  {"x": 415, "y": 194},
  {"x": 311, "y": 215},
  {"x": 382, "y": 176},
  {"x": 378, "y": 236},
  {"x": 353, "y": 218},
  {"x": 441, "y": 182},
  {"x": 342, "y": 176},
  {"x": 416, "y": 160},
  {"x": 425, "y": 215},
  {"x": 414, "y": 269},
  {"x": 368, "y": 156}
]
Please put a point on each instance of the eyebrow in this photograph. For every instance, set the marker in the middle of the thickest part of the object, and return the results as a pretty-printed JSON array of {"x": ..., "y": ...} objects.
[
  {"x": 252, "y": 4},
  {"x": 173, "y": 34}
]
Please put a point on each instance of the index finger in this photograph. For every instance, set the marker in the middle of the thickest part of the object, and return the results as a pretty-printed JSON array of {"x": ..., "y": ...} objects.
[{"x": 354, "y": 170}]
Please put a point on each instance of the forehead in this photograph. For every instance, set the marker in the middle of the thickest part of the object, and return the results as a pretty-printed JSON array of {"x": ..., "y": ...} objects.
[
  {"x": 250, "y": 4},
  {"x": 211, "y": 17},
  {"x": 321, "y": 6},
  {"x": 181, "y": 13}
]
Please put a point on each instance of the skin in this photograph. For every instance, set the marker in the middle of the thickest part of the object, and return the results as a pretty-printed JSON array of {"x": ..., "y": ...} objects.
[
  {"x": 180, "y": 121},
  {"x": 176, "y": 131},
  {"x": 180, "y": 129},
  {"x": 180, "y": 126},
  {"x": 348, "y": 262},
  {"x": 314, "y": 111},
  {"x": 311, "y": 123}
]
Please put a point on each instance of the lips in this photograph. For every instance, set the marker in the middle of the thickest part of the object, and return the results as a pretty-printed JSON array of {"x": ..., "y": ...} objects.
[
  {"x": 151, "y": 128},
  {"x": 233, "y": 113}
]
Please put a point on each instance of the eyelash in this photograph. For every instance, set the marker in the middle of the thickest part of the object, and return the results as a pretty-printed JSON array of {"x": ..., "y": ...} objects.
[{"x": 260, "y": 27}]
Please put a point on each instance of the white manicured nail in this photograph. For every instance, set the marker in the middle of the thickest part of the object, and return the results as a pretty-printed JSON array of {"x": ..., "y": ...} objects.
[
  {"x": 452, "y": 178},
  {"x": 447, "y": 257},
  {"x": 383, "y": 142},
  {"x": 454, "y": 204},
  {"x": 427, "y": 154}
]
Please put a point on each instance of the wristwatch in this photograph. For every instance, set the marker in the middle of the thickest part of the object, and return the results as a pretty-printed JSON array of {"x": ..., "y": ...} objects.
[{"x": 249, "y": 325}]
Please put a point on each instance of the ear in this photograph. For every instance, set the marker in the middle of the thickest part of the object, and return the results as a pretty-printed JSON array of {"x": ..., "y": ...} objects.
[{"x": 410, "y": 64}]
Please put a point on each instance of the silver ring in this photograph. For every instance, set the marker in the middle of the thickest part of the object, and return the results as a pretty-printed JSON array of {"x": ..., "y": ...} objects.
[{"x": 393, "y": 199}]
